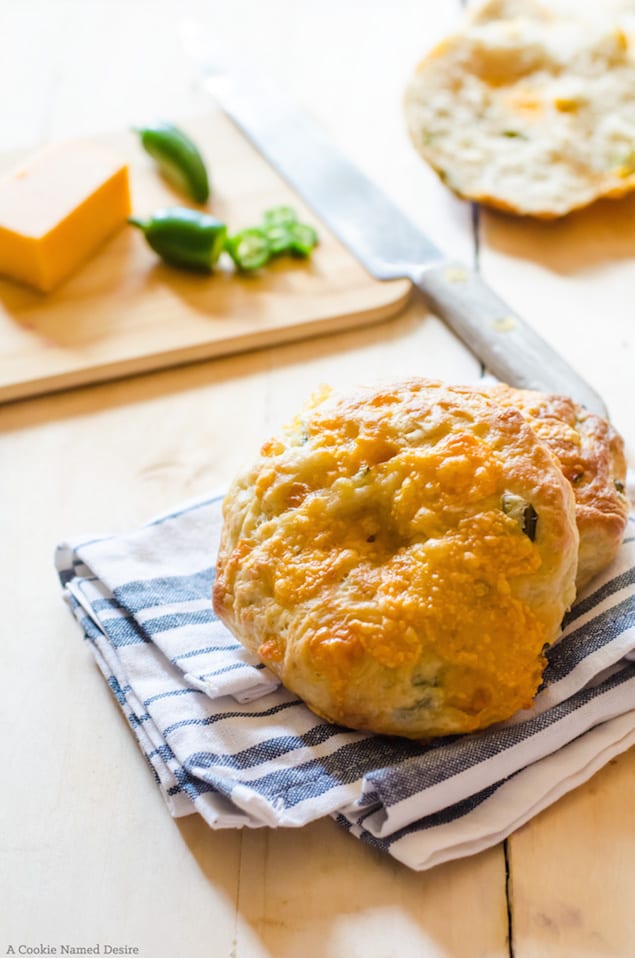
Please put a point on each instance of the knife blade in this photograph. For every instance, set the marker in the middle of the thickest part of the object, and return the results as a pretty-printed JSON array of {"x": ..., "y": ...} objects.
[{"x": 384, "y": 240}]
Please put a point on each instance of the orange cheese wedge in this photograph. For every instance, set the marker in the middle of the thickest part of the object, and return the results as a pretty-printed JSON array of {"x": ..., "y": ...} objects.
[{"x": 57, "y": 208}]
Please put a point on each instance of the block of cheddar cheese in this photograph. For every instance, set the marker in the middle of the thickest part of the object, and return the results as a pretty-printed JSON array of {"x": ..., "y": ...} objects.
[{"x": 57, "y": 208}]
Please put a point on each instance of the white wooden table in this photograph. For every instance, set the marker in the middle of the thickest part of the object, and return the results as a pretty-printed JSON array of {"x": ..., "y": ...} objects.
[{"x": 88, "y": 853}]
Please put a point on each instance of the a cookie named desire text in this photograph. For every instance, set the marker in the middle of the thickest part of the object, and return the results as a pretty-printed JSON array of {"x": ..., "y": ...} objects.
[{"x": 98, "y": 949}]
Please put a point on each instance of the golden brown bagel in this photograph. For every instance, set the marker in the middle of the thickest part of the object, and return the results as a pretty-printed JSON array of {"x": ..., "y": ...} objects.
[
  {"x": 528, "y": 111},
  {"x": 400, "y": 557}
]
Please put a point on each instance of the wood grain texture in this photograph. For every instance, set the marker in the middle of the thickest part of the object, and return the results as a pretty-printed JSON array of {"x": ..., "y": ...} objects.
[
  {"x": 568, "y": 279},
  {"x": 571, "y": 869},
  {"x": 125, "y": 312},
  {"x": 401, "y": 913}
]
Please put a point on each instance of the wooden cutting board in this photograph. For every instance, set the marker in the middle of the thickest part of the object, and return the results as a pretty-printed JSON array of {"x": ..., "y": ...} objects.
[{"x": 125, "y": 312}]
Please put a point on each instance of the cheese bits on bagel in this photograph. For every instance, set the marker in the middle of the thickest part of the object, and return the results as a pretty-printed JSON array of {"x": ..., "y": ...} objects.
[
  {"x": 527, "y": 110},
  {"x": 401, "y": 557}
]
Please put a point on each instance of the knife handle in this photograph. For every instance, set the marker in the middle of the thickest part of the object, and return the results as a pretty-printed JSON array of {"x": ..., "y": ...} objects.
[{"x": 513, "y": 351}]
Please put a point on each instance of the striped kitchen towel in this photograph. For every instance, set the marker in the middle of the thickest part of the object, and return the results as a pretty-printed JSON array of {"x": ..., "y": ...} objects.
[{"x": 223, "y": 738}]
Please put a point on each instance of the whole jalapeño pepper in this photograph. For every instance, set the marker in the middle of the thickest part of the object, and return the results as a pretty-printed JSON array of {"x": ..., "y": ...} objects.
[
  {"x": 184, "y": 237},
  {"x": 178, "y": 158}
]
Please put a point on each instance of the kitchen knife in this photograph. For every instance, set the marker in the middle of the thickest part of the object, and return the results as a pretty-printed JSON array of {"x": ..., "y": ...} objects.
[{"x": 381, "y": 237}]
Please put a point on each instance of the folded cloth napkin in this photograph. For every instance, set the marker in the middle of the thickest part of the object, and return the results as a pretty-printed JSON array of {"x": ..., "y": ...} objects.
[{"x": 223, "y": 738}]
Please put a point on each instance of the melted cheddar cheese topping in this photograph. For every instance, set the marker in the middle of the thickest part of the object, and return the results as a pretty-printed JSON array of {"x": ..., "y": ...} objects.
[{"x": 373, "y": 558}]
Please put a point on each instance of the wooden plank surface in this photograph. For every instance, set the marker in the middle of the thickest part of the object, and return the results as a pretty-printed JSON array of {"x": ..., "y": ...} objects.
[
  {"x": 125, "y": 312},
  {"x": 406, "y": 915},
  {"x": 572, "y": 869},
  {"x": 572, "y": 872},
  {"x": 93, "y": 855},
  {"x": 89, "y": 852},
  {"x": 568, "y": 278}
]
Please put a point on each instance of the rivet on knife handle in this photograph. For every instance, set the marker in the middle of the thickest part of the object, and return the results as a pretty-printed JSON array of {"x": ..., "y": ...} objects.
[{"x": 510, "y": 348}]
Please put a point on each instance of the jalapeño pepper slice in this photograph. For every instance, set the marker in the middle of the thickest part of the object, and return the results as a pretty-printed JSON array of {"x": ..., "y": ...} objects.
[
  {"x": 279, "y": 216},
  {"x": 249, "y": 249},
  {"x": 183, "y": 237},
  {"x": 279, "y": 239},
  {"x": 286, "y": 234},
  {"x": 178, "y": 158},
  {"x": 303, "y": 239}
]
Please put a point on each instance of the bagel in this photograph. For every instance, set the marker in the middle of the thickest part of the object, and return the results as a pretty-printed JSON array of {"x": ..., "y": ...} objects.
[{"x": 400, "y": 557}]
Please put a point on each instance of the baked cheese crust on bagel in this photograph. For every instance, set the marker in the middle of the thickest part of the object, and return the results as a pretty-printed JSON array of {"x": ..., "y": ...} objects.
[{"x": 401, "y": 557}]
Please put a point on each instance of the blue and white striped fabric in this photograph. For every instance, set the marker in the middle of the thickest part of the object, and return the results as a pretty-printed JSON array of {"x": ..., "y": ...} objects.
[{"x": 223, "y": 738}]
